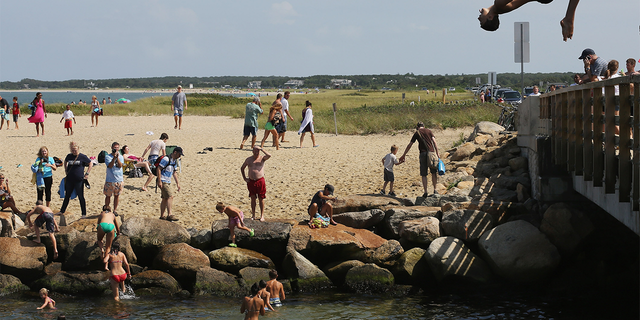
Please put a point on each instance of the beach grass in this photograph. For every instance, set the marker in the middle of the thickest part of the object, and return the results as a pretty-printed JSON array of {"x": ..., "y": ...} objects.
[{"x": 358, "y": 111}]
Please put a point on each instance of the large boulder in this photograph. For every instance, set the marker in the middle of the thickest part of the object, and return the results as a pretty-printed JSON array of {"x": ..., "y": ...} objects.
[
  {"x": 7, "y": 228},
  {"x": 354, "y": 203},
  {"x": 337, "y": 271},
  {"x": 270, "y": 237},
  {"x": 335, "y": 243},
  {"x": 75, "y": 282},
  {"x": 518, "y": 251},
  {"x": 10, "y": 284},
  {"x": 565, "y": 227},
  {"x": 200, "y": 239},
  {"x": 449, "y": 257},
  {"x": 386, "y": 254},
  {"x": 218, "y": 283},
  {"x": 251, "y": 275},
  {"x": 466, "y": 224},
  {"x": 148, "y": 235},
  {"x": 485, "y": 127},
  {"x": 423, "y": 230},
  {"x": 180, "y": 260},
  {"x": 368, "y": 278},
  {"x": 499, "y": 210},
  {"x": 233, "y": 259},
  {"x": 411, "y": 268},
  {"x": 394, "y": 216},
  {"x": 360, "y": 220},
  {"x": 22, "y": 258},
  {"x": 464, "y": 151},
  {"x": 83, "y": 253},
  {"x": 155, "y": 282},
  {"x": 304, "y": 275}
]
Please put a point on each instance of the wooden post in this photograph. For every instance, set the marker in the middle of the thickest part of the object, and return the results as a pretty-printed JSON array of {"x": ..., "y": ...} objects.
[
  {"x": 587, "y": 127},
  {"x": 610, "y": 160},
  {"x": 335, "y": 120},
  {"x": 444, "y": 95},
  {"x": 564, "y": 127},
  {"x": 598, "y": 124},
  {"x": 625, "y": 168},
  {"x": 579, "y": 134},
  {"x": 571, "y": 126}
]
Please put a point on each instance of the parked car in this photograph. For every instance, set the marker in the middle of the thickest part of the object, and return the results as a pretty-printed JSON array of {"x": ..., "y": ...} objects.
[
  {"x": 497, "y": 96},
  {"x": 527, "y": 91},
  {"x": 511, "y": 96}
]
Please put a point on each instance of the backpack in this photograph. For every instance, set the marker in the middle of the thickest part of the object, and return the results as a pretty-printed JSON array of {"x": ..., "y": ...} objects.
[
  {"x": 101, "y": 156},
  {"x": 135, "y": 173},
  {"x": 277, "y": 118}
]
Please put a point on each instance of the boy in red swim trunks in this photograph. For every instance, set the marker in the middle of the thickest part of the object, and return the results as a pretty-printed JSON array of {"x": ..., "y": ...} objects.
[
  {"x": 255, "y": 181},
  {"x": 236, "y": 218}
]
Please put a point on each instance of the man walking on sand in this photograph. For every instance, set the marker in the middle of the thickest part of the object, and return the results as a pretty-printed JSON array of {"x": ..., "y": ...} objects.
[
  {"x": 282, "y": 128},
  {"x": 178, "y": 105},
  {"x": 252, "y": 110},
  {"x": 428, "y": 155},
  {"x": 255, "y": 181}
]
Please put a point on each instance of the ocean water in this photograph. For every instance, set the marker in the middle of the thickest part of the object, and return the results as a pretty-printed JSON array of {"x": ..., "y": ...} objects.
[{"x": 25, "y": 97}]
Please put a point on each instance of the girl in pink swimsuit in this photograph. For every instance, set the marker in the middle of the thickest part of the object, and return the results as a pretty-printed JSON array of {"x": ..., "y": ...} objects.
[{"x": 116, "y": 260}]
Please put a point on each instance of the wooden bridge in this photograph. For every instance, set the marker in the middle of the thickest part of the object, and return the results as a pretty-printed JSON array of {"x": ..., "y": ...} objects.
[{"x": 596, "y": 144}]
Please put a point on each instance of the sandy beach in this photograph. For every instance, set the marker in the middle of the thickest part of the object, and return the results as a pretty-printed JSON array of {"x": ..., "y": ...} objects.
[{"x": 351, "y": 163}]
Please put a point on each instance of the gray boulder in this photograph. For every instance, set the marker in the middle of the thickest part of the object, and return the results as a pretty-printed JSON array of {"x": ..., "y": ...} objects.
[
  {"x": 565, "y": 227},
  {"x": 154, "y": 282},
  {"x": 83, "y": 253},
  {"x": 218, "y": 283},
  {"x": 394, "y": 216},
  {"x": 180, "y": 260},
  {"x": 466, "y": 224},
  {"x": 368, "y": 278},
  {"x": 518, "y": 163},
  {"x": 304, "y": 275},
  {"x": 148, "y": 235},
  {"x": 233, "y": 259},
  {"x": 200, "y": 239},
  {"x": 422, "y": 230},
  {"x": 387, "y": 253},
  {"x": 337, "y": 271},
  {"x": 10, "y": 284},
  {"x": 75, "y": 282},
  {"x": 270, "y": 237},
  {"x": 360, "y": 220},
  {"x": 464, "y": 151},
  {"x": 251, "y": 275},
  {"x": 355, "y": 203},
  {"x": 411, "y": 268},
  {"x": 485, "y": 127},
  {"x": 519, "y": 252},
  {"x": 448, "y": 256},
  {"x": 22, "y": 258}
]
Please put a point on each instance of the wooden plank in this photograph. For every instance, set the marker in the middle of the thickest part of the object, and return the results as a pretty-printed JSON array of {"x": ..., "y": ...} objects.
[
  {"x": 611, "y": 163},
  {"x": 557, "y": 127},
  {"x": 571, "y": 128},
  {"x": 587, "y": 128},
  {"x": 564, "y": 127},
  {"x": 579, "y": 132},
  {"x": 598, "y": 123},
  {"x": 625, "y": 170},
  {"x": 636, "y": 146}
]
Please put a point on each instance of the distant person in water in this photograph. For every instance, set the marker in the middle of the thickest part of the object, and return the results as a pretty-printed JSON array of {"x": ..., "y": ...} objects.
[
  {"x": 48, "y": 302},
  {"x": 489, "y": 16}
]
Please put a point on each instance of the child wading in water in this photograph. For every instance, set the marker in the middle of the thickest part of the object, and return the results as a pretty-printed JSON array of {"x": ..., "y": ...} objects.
[
  {"x": 67, "y": 116},
  {"x": 275, "y": 288},
  {"x": 236, "y": 217},
  {"x": 48, "y": 302}
]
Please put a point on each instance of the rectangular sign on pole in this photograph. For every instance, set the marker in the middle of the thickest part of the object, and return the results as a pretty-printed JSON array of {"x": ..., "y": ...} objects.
[
  {"x": 492, "y": 78},
  {"x": 521, "y": 42}
]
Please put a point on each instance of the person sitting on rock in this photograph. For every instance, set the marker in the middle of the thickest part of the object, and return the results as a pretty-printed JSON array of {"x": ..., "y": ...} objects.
[
  {"x": 45, "y": 215},
  {"x": 320, "y": 209}
]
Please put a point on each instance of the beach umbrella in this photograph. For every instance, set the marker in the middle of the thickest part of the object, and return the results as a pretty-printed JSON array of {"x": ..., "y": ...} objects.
[{"x": 123, "y": 100}]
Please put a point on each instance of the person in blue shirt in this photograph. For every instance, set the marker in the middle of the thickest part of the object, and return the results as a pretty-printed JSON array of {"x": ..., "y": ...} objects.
[
  {"x": 43, "y": 168},
  {"x": 114, "y": 181}
]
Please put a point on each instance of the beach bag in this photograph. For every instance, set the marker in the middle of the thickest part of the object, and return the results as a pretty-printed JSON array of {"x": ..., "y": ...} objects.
[
  {"x": 135, "y": 173},
  {"x": 61, "y": 191},
  {"x": 441, "y": 167},
  {"x": 101, "y": 156},
  {"x": 277, "y": 118}
]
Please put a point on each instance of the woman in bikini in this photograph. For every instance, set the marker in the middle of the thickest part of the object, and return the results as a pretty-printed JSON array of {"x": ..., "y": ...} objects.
[
  {"x": 253, "y": 305},
  {"x": 95, "y": 109},
  {"x": 139, "y": 163},
  {"x": 6, "y": 200},
  {"x": 270, "y": 127},
  {"x": 107, "y": 225},
  {"x": 116, "y": 260}
]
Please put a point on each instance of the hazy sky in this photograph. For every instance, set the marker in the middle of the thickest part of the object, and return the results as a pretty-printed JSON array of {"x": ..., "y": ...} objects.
[{"x": 60, "y": 40}]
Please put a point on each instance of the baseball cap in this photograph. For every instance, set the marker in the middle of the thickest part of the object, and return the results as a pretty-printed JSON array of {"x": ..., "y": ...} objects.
[
  {"x": 585, "y": 53},
  {"x": 179, "y": 86},
  {"x": 329, "y": 188},
  {"x": 178, "y": 150}
]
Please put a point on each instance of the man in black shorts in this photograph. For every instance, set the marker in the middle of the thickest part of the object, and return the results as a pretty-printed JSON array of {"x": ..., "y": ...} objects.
[
  {"x": 45, "y": 216},
  {"x": 429, "y": 155}
]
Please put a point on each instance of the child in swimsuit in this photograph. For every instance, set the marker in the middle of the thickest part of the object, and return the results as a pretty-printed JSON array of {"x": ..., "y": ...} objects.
[
  {"x": 116, "y": 260},
  {"x": 45, "y": 216},
  {"x": 275, "y": 288},
  {"x": 107, "y": 225},
  {"x": 265, "y": 295},
  {"x": 48, "y": 302},
  {"x": 236, "y": 218}
]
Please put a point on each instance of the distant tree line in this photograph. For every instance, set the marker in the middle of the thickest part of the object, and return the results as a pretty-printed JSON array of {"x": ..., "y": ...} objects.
[{"x": 377, "y": 82}]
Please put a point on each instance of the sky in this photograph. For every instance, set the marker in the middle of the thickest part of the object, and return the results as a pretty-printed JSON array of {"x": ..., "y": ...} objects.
[{"x": 62, "y": 40}]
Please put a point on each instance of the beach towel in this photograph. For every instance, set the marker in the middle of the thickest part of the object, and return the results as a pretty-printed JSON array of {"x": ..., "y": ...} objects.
[{"x": 61, "y": 191}]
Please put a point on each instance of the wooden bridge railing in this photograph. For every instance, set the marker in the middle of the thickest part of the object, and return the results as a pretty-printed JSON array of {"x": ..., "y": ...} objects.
[{"x": 583, "y": 126}]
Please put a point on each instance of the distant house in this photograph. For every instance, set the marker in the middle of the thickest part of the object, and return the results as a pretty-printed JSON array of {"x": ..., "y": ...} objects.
[
  {"x": 255, "y": 84},
  {"x": 340, "y": 83},
  {"x": 294, "y": 83}
]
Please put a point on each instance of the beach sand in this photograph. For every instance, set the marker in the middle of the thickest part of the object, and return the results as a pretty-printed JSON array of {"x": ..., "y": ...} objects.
[{"x": 351, "y": 163}]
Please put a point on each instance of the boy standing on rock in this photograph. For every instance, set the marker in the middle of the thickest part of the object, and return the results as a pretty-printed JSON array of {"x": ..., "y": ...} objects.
[{"x": 45, "y": 215}]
